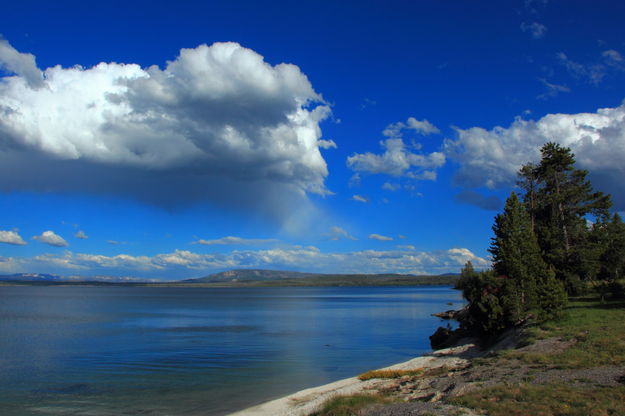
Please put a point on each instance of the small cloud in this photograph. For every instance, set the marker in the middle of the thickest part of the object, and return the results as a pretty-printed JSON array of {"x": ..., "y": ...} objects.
[
  {"x": 614, "y": 60},
  {"x": 391, "y": 186},
  {"x": 337, "y": 233},
  {"x": 230, "y": 240},
  {"x": 81, "y": 234},
  {"x": 367, "y": 103},
  {"x": 552, "y": 89},
  {"x": 11, "y": 237},
  {"x": 51, "y": 239},
  {"x": 401, "y": 237},
  {"x": 326, "y": 144},
  {"x": 354, "y": 180},
  {"x": 394, "y": 130},
  {"x": 360, "y": 198},
  {"x": 115, "y": 242},
  {"x": 397, "y": 159},
  {"x": 406, "y": 247},
  {"x": 612, "y": 55},
  {"x": 535, "y": 29},
  {"x": 426, "y": 175},
  {"x": 380, "y": 237},
  {"x": 593, "y": 72}
]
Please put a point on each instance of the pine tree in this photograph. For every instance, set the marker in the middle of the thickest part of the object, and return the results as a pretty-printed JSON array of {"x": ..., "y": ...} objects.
[
  {"x": 517, "y": 257},
  {"x": 560, "y": 199},
  {"x": 613, "y": 257}
]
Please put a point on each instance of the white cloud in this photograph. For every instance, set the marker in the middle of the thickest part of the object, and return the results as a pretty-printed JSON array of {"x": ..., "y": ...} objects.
[
  {"x": 396, "y": 160},
  {"x": 185, "y": 263},
  {"x": 400, "y": 159},
  {"x": 612, "y": 56},
  {"x": 360, "y": 198},
  {"x": 21, "y": 64},
  {"x": 217, "y": 123},
  {"x": 11, "y": 237},
  {"x": 337, "y": 233},
  {"x": 81, "y": 234},
  {"x": 552, "y": 89},
  {"x": 230, "y": 240},
  {"x": 326, "y": 144},
  {"x": 537, "y": 30},
  {"x": 492, "y": 158},
  {"x": 391, "y": 186},
  {"x": 380, "y": 237},
  {"x": 594, "y": 72},
  {"x": 395, "y": 130},
  {"x": 406, "y": 247},
  {"x": 51, "y": 239}
]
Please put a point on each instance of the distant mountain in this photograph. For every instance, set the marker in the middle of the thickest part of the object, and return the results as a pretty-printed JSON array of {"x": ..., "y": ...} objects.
[
  {"x": 30, "y": 277},
  {"x": 246, "y": 277},
  {"x": 258, "y": 277},
  {"x": 250, "y": 275},
  {"x": 53, "y": 278}
]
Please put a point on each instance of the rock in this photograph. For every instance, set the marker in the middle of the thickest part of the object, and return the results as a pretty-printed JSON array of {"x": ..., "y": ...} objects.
[
  {"x": 441, "y": 338},
  {"x": 451, "y": 314}
]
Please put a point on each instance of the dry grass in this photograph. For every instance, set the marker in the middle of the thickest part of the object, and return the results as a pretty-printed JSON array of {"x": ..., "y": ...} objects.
[{"x": 390, "y": 374}]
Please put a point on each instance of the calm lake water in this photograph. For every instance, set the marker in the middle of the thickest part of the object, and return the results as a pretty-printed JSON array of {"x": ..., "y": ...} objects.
[{"x": 192, "y": 351}]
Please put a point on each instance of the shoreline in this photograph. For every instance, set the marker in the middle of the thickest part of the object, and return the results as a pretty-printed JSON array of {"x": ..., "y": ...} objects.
[{"x": 304, "y": 402}]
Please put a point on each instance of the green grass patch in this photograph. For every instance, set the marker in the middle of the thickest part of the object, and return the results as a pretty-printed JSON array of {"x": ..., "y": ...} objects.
[
  {"x": 350, "y": 405},
  {"x": 545, "y": 400},
  {"x": 597, "y": 332}
]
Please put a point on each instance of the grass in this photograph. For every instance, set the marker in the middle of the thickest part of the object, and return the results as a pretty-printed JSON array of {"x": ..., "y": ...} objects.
[
  {"x": 419, "y": 372},
  {"x": 390, "y": 374},
  {"x": 597, "y": 332},
  {"x": 545, "y": 400},
  {"x": 350, "y": 405}
]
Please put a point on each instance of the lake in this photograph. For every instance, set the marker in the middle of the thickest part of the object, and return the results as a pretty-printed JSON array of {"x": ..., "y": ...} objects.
[{"x": 191, "y": 351}]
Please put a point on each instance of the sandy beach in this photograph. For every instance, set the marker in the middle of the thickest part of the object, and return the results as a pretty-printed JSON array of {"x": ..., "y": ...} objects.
[{"x": 304, "y": 402}]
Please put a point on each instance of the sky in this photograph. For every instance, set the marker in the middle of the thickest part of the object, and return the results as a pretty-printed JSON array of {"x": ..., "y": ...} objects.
[{"x": 177, "y": 139}]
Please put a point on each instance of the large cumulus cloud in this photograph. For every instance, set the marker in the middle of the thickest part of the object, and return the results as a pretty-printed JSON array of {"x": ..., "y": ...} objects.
[
  {"x": 217, "y": 123},
  {"x": 492, "y": 158}
]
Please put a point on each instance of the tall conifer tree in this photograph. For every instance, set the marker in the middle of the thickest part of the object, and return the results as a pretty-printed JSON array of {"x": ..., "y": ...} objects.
[
  {"x": 517, "y": 258},
  {"x": 560, "y": 199}
]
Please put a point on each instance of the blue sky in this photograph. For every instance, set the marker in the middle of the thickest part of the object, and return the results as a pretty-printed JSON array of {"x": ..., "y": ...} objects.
[{"x": 162, "y": 140}]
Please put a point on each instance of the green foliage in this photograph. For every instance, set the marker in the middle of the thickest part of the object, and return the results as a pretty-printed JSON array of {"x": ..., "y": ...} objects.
[
  {"x": 558, "y": 198},
  {"x": 613, "y": 255},
  {"x": 517, "y": 257},
  {"x": 552, "y": 298},
  {"x": 486, "y": 306}
]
